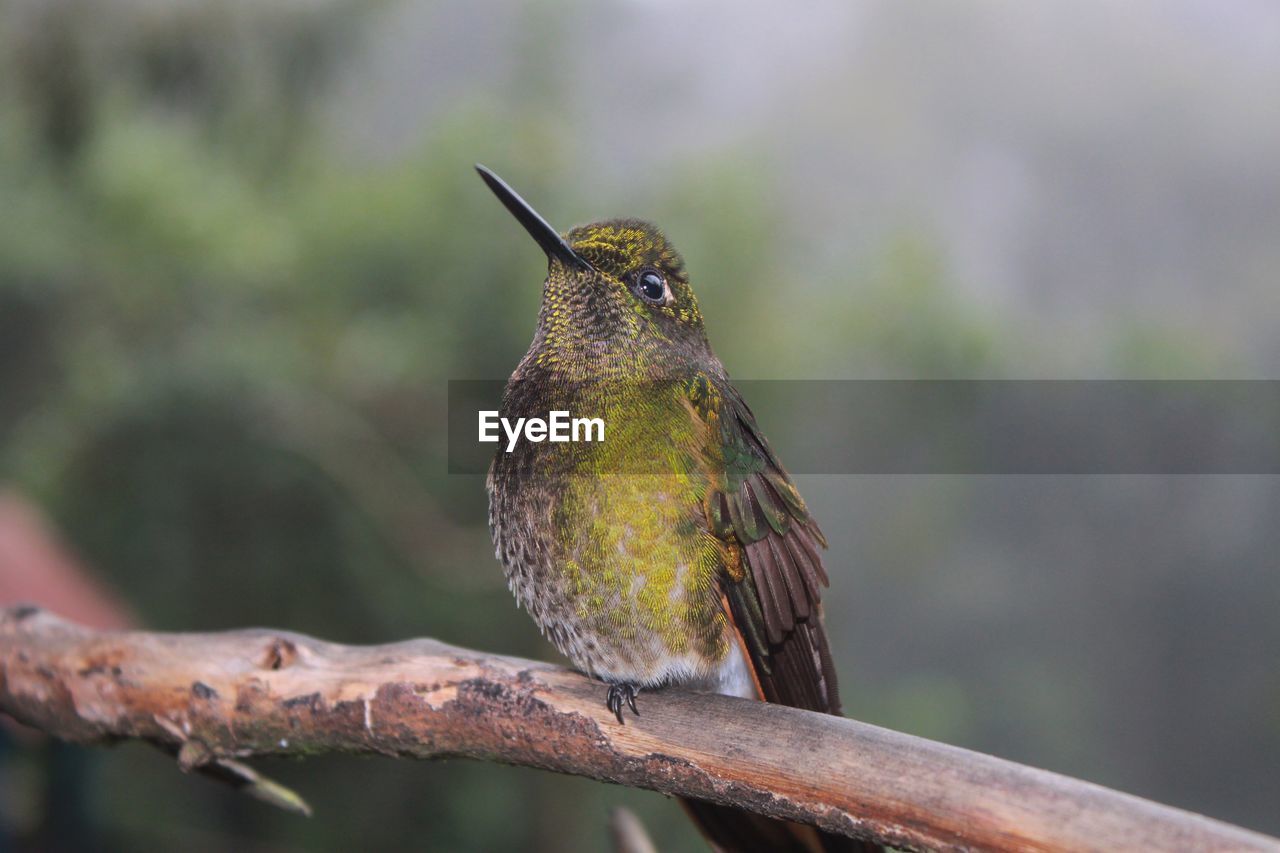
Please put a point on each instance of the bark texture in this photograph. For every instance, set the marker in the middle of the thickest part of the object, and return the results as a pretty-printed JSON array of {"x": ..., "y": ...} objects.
[{"x": 215, "y": 699}]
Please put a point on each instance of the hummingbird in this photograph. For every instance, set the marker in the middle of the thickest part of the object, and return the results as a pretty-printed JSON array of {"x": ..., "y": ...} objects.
[{"x": 678, "y": 551}]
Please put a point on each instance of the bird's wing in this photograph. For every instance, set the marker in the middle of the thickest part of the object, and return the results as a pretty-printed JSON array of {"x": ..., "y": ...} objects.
[{"x": 774, "y": 581}]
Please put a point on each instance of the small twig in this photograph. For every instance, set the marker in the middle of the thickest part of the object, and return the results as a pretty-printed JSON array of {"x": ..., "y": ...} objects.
[
  {"x": 242, "y": 694},
  {"x": 628, "y": 833}
]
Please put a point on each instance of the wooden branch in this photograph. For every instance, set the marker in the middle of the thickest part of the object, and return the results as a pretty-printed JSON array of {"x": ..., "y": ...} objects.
[{"x": 216, "y": 698}]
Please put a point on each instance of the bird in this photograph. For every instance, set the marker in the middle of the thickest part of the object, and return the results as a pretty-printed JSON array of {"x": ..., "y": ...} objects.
[{"x": 677, "y": 551}]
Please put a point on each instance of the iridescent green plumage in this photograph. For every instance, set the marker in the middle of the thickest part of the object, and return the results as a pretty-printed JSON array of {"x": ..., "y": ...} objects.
[
  {"x": 677, "y": 550},
  {"x": 629, "y": 583}
]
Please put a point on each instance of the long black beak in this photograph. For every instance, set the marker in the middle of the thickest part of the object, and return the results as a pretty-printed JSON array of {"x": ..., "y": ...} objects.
[{"x": 550, "y": 241}]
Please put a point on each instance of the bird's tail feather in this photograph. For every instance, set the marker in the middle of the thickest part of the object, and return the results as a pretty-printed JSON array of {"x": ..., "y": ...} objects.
[{"x": 733, "y": 830}]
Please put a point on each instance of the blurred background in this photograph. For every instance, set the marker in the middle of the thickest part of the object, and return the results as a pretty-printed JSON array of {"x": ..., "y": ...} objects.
[{"x": 242, "y": 250}]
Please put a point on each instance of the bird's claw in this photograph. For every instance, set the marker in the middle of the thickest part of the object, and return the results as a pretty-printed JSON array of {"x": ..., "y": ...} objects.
[{"x": 620, "y": 693}]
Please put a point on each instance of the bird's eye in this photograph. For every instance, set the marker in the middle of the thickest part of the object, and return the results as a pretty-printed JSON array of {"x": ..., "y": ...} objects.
[{"x": 652, "y": 287}]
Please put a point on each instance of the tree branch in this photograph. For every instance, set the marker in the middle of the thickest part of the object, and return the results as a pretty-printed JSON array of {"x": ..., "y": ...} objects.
[{"x": 217, "y": 698}]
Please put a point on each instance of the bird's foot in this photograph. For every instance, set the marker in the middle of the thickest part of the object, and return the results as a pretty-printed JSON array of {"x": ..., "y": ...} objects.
[{"x": 620, "y": 693}]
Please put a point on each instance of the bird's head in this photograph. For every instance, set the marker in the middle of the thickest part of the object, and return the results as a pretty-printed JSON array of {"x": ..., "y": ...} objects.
[{"x": 615, "y": 289}]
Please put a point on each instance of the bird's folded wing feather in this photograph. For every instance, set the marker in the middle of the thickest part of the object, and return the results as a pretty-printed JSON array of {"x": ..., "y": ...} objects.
[{"x": 774, "y": 586}]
